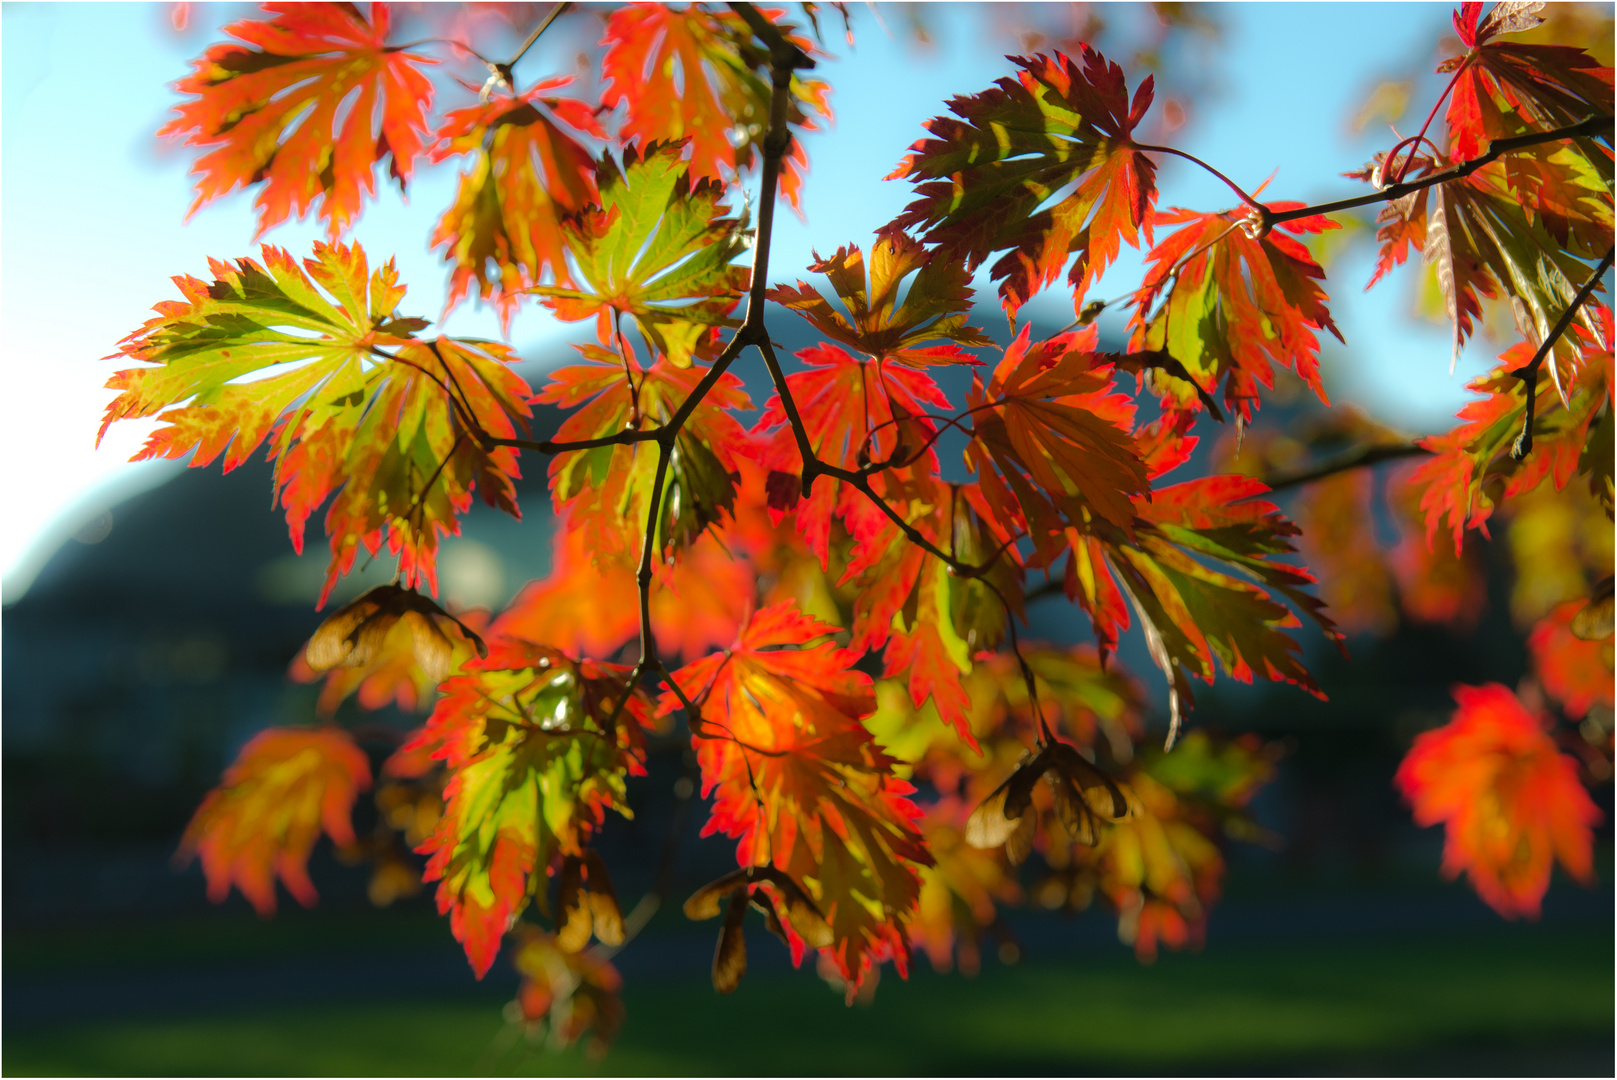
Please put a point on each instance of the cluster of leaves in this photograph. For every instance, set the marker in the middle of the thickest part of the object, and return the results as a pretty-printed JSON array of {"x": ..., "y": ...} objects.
[{"x": 845, "y": 591}]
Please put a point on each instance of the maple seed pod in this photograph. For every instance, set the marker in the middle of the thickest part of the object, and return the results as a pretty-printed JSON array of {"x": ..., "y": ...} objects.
[
  {"x": 704, "y": 902},
  {"x": 603, "y": 899},
  {"x": 354, "y": 634},
  {"x": 1006, "y": 816},
  {"x": 1593, "y": 621},
  {"x": 730, "y": 958},
  {"x": 573, "y": 919}
]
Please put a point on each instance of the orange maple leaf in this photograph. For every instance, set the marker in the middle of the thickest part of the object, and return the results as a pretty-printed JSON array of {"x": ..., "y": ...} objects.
[
  {"x": 264, "y": 817},
  {"x": 1510, "y": 802},
  {"x": 272, "y": 112}
]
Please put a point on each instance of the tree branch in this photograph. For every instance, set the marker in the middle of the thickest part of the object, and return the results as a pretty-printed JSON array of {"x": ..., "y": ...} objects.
[
  {"x": 783, "y": 55},
  {"x": 1529, "y": 374},
  {"x": 1356, "y": 459},
  {"x": 1594, "y": 125}
]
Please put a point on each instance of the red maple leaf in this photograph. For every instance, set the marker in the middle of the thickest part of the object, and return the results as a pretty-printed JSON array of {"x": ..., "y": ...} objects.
[
  {"x": 1575, "y": 672},
  {"x": 272, "y": 112},
  {"x": 538, "y": 750},
  {"x": 983, "y": 177},
  {"x": 355, "y": 407},
  {"x": 800, "y": 783},
  {"x": 1509, "y": 801},
  {"x": 1236, "y": 303},
  {"x": 1502, "y": 86},
  {"x": 603, "y": 488},
  {"x": 592, "y": 608},
  {"x": 878, "y": 323},
  {"x": 855, "y": 410},
  {"x": 1050, "y": 443},
  {"x": 1472, "y": 470}
]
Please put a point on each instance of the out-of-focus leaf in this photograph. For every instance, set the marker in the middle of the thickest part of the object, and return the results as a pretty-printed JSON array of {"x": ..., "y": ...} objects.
[
  {"x": 1510, "y": 803},
  {"x": 263, "y": 819}
]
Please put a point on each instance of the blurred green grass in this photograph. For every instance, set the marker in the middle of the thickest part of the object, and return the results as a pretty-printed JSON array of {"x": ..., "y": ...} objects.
[{"x": 1515, "y": 1000}]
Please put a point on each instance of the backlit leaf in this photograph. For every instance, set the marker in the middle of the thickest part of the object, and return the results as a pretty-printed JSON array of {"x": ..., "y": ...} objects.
[
  {"x": 1234, "y": 303},
  {"x": 606, "y": 491},
  {"x": 1049, "y": 438},
  {"x": 658, "y": 251},
  {"x": 538, "y": 750},
  {"x": 1509, "y": 801},
  {"x": 877, "y": 323},
  {"x": 799, "y": 782},
  {"x": 695, "y": 74},
  {"x": 263, "y": 819},
  {"x": 309, "y": 109},
  {"x": 983, "y": 177},
  {"x": 526, "y": 174},
  {"x": 316, "y": 359}
]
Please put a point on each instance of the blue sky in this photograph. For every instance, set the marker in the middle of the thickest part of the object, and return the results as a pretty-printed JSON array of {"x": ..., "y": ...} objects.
[{"x": 91, "y": 210}]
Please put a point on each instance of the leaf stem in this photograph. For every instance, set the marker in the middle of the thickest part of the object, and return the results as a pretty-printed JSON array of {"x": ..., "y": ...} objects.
[
  {"x": 1416, "y": 139},
  {"x": 1233, "y": 186}
]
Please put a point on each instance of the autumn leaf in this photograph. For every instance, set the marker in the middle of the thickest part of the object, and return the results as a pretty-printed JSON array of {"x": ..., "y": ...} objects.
[
  {"x": 1575, "y": 672},
  {"x": 877, "y": 323},
  {"x": 1471, "y": 469},
  {"x": 960, "y": 893},
  {"x": 1336, "y": 517},
  {"x": 657, "y": 250},
  {"x": 1050, "y": 444},
  {"x": 855, "y": 410},
  {"x": 1234, "y": 303},
  {"x": 316, "y": 360},
  {"x": 526, "y": 175},
  {"x": 1077, "y": 699},
  {"x": 538, "y": 749},
  {"x": 1438, "y": 585},
  {"x": 606, "y": 491},
  {"x": 694, "y": 74},
  {"x": 1190, "y": 611},
  {"x": 1162, "y": 867},
  {"x": 272, "y": 112},
  {"x": 931, "y": 621},
  {"x": 389, "y": 644},
  {"x": 799, "y": 782},
  {"x": 983, "y": 179},
  {"x": 388, "y": 651},
  {"x": 1482, "y": 244},
  {"x": 1519, "y": 229},
  {"x": 1509, "y": 801},
  {"x": 261, "y": 822},
  {"x": 1501, "y": 86}
]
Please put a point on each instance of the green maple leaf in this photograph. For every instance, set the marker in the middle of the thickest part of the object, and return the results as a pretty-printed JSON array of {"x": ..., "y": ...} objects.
[
  {"x": 658, "y": 250},
  {"x": 354, "y": 405}
]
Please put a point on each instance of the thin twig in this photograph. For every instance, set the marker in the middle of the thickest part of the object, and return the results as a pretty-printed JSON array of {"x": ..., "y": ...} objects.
[{"x": 504, "y": 70}]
